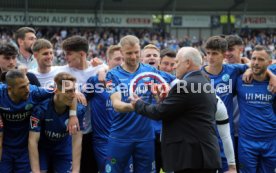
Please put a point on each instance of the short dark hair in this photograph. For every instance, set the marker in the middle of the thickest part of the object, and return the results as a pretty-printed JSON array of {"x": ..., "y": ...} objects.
[
  {"x": 167, "y": 52},
  {"x": 12, "y": 75},
  {"x": 261, "y": 48},
  {"x": 7, "y": 49},
  {"x": 63, "y": 76},
  {"x": 75, "y": 43},
  {"x": 233, "y": 40},
  {"x": 216, "y": 43},
  {"x": 21, "y": 33}
]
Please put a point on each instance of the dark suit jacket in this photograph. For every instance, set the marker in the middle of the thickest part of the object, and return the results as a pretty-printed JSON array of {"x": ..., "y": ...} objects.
[{"x": 188, "y": 135}]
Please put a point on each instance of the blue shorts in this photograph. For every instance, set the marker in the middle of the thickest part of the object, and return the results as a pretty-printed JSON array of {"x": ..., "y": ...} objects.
[
  {"x": 257, "y": 156},
  {"x": 100, "y": 149},
  {"x": 15, "y": 160},
  {"x": 119, "y": 153}
]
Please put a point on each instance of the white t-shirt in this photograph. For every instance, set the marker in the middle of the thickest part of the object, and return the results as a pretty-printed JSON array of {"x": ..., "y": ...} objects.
[
  {"x": 81, "y": 75},
  {"x": 46, "y": 79}
]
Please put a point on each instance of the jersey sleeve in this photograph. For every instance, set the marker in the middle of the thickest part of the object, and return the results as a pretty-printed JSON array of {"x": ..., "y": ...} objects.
[
  {"x": 33, "y": 79},
  {"x": 36, "y": 117},
  {"x": 112, "y": 83},
  {"x": 39, "y": 94},
  {"x": 168, "y": 77},
  {"x": 89, "y": 88},
  {"x": 241, "y": 68},
  {"x": 221, "y": 114},
  {"x": 92, "y": 86},
  {"x": 224, "y": 131}
]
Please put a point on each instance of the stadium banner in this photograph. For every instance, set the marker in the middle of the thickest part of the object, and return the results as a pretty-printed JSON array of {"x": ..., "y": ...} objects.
[
  {"x": 256, "y": 21},
  {"x": 69, "y": 19},
  {"x": 195, "y": 21}
]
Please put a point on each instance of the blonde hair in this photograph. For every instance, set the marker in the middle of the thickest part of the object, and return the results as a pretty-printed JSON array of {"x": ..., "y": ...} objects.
[
  {"x": 112, "y": 49},
  {"x": 151, "y": 46},
  {"x": 129, "y": 40}
]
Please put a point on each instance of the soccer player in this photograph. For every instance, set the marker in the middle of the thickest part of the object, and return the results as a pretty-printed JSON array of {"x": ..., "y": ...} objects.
[
  {"x": 17, "y": 100},
  {"x": 257, "y": 132},
  {"x": 223, "y": 77},
  {"x": 102, "y": 110},
  {"x": 130, "y": 134},
  {"x": 76, "y": 51},
  {"x": 150, "y": 55},
  {"x": 49, "y": 140},
  {"x": 167, "y": 60},
  {"x": 233, "y": 56}
]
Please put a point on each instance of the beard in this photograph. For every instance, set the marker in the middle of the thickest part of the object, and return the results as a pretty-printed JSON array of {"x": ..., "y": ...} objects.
[
  {"x": 29, "y": 49},
  {"x": 259, "y": 71},
  {"x": 132, "y": 63}
]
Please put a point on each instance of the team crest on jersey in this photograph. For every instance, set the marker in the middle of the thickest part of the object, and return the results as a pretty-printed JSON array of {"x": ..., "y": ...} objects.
[
  {"x": 34, "y": 122},
  {"x": 225, "y": 77},
  {"x": 28, "y": 106},
  {"x": 107, "y": 168}
]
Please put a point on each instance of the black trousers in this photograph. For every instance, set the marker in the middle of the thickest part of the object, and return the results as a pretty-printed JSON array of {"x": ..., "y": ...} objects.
[
  {"x": 88, "y": 162},
  {"x": 197, "y": 171},
  {"x": 158, "y": 156}
]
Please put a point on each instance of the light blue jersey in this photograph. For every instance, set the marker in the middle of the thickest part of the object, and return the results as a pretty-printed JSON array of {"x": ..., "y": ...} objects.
[
  {"x": 224, "y": 84},
  {"x": 131, "y": 126},
  {"x": 16, "y": 118},
  {"x": 55, "y": 143},
  {"x": 257, "y": 132}
]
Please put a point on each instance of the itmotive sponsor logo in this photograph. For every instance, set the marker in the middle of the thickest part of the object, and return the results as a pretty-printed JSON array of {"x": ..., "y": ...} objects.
[
  {"x": 55, "y": 136},
  {"x": 20, "y": 116}
]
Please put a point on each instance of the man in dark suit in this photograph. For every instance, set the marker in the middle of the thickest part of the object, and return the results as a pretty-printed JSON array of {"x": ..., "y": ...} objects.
[{"x": 189, "y": 142}]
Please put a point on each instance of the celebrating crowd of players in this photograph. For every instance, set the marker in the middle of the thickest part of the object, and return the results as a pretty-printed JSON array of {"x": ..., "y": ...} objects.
[{"x": 36, "y": 122}]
